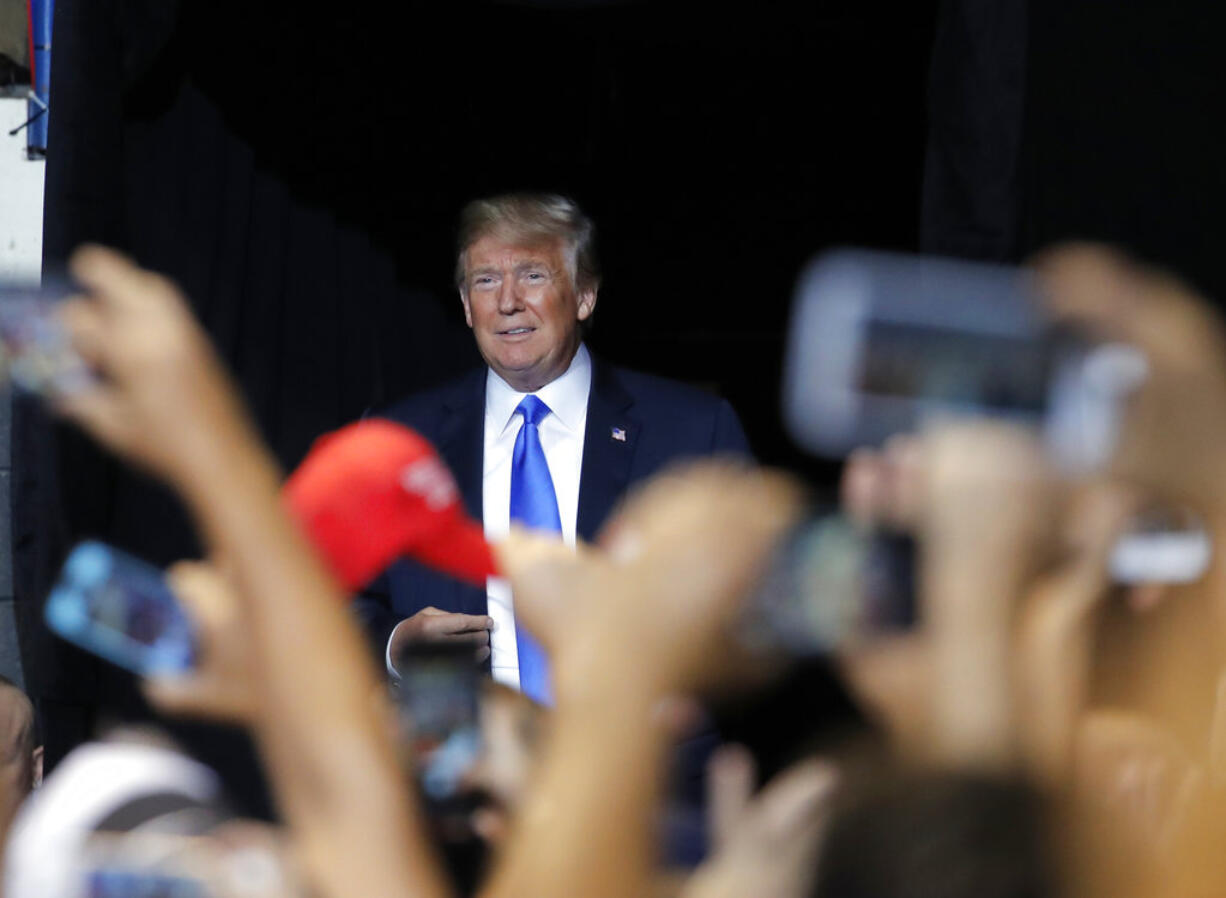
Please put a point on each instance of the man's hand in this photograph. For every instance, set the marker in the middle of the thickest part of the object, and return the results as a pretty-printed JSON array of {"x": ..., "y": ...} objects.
[{"x": 444, "y": 627}]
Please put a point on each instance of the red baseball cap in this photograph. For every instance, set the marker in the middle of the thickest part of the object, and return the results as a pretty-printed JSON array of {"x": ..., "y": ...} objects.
[{"x": 374, "y": 491}]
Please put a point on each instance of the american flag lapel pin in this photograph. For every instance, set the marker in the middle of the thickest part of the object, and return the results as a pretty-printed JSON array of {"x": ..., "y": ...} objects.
[{"x": 619, "y": 434}]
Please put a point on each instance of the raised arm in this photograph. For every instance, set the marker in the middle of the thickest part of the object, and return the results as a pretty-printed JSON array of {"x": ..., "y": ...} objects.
[{"x": 164, "y": 402}]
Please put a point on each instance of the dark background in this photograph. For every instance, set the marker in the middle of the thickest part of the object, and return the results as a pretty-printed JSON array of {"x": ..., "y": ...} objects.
[{"x": 299, "y": 174}]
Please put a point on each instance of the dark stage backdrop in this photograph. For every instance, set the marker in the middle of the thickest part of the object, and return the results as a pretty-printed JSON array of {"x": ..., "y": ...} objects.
[{"x": 300, "y": 174}]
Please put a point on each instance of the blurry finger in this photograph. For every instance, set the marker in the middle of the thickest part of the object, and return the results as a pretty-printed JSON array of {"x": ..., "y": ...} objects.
[
  {"x": 904, "y": 480},
  {"x": 115, "y": 280},
  {"x": 1119, "y": 299},
  {"x": 83, "y": 323},
  {"x": 204, "y": 592},
  {"x": 193, "y": 695},
  {"x": 464, "y": 623},
  {"x": 860, "y": 487},
  {"x": 489, "y": 824},
  {"x": 1143, "y": 597},
  {"x": 545, "y": 575},
  {"x": 1088, "y": 284},
  {"x": 730, "y": 782},
  {"x": 482, "y": 653},
  {"x": 1096, "y": 516},
  {"x": 447, "y": 626},
  {"x": 797, "y": 796},
  {"x": 100, "y": 412},
  {"x": 521, "y": 548},
  {"x": 679, "y": 715},
  {"x": 179, "y": 695}
]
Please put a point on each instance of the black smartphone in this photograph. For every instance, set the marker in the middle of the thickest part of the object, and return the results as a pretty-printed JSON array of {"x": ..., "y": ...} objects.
[
  {"x": 832, "y": 585},
  {"x": 439, "y": 695}
]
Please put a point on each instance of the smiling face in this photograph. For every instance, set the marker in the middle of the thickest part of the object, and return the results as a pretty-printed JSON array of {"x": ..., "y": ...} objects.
[{"x": 520, "y": 301}]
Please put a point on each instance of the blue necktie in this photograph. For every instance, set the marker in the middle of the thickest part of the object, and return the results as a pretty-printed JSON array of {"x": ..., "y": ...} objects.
[{"x": 533, "y": 504}]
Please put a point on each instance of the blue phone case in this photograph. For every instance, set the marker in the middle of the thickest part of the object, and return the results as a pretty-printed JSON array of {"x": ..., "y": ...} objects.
[
  {"x": 121, "y": 609},
  {"x": 141, "y": 884}
]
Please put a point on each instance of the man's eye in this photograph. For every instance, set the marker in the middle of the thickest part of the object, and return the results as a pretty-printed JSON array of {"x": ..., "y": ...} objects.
[{"x": 535, "y": 276}]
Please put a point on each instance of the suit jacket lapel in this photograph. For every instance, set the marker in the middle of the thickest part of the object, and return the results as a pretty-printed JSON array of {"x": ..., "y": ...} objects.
[
  {"x": 462, "y": 438},
  {"x": 462, "y": 443},
  {"x": 609, "y": 442}
]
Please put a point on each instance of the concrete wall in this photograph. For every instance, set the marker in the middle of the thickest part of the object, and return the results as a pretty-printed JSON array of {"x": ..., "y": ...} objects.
[{"x": 21, "y": 247}]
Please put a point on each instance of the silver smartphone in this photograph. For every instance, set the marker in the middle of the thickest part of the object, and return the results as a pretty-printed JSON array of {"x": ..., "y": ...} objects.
[{"x": 882, "y": 343}]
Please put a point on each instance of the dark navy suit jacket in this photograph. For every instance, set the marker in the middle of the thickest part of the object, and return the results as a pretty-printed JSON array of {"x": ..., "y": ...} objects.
[{"x": 662, "y": 421}]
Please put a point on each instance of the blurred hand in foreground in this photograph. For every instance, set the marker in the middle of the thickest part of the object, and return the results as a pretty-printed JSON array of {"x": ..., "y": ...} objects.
[
  {"x": 1174, "y": 434},
  {"x": 678, "y": 558},
  {"x": 219, "y": 686},
  {"x": 652, "y": 616},
  {"x": 766, "y": 845},
  {"x": 985, "y": 529}
]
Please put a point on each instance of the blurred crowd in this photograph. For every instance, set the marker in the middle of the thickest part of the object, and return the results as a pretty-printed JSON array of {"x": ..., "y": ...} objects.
[{"x": 1039, "y": 730}]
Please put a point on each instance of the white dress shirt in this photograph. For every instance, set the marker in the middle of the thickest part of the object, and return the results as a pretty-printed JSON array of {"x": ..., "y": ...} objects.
[{"x": 562, "y": 439}]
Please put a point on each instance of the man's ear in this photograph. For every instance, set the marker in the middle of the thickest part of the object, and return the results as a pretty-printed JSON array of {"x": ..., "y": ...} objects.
[
  {"x": 587, "y": 303},
  {"x": 468, "y": 312}
]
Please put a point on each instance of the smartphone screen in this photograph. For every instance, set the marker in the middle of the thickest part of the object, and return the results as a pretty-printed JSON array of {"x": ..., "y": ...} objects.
[
  {"x": 439, "y": 695},
  {"x": 832, "y": 585},
  {"x": 881, "y": 344},
  {"x": 120, "y": 608},
  {"x": 944, "y": 364},
  {"x": 37, "y": 354}
]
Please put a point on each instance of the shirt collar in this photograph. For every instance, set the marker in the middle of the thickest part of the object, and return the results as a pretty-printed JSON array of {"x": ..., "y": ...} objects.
[{"x": 566, "y": 396}]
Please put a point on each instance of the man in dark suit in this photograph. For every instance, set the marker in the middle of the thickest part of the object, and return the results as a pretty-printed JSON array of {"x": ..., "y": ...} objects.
[{"x": 546, "y": 435}]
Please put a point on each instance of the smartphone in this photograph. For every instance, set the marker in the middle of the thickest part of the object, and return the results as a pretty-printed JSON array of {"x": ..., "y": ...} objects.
[
  {"x": 37, "y": 354},
  {"x": 1161, "y": 545},
  {"x": 881, "y": 343},
  {"x": 121, "y": 609},
  {"x": 440, "y": 701},
  {"x": 832, "y": 585}
]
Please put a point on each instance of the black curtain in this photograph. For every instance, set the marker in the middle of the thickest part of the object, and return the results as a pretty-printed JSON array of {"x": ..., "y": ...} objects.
[
  {"x": 309, "y": 315},
  {"x": 1124, "y": 131},
  {"x": 1053, "y": 120},
  {"x": 298, "y": 174},
  {"x": 976, "y": 96}
]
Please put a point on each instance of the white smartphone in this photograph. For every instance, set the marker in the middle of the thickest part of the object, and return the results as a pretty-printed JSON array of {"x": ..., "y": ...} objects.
[{"x": 881, "y": 343}]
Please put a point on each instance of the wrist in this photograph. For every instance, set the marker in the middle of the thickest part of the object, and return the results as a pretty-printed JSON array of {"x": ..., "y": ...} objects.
[{"x": 605, "y": 687}]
